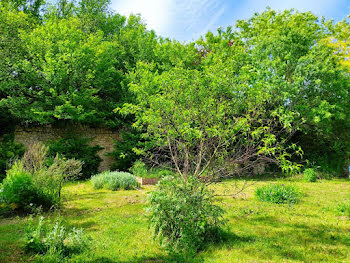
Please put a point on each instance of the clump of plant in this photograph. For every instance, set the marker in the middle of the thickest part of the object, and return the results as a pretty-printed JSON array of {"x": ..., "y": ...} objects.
[
  {"x": 183, "y": 215},
  {"x": 310, "y": 175},
  {"x": 278, "y": 194},
  {"x": 9, "y": 150},
  {"x": 140, "y": 169},
  {"x": 76, "y": 147},
  {"x": 35, "y": 181},
  {"x": 54, "y": 240},
  {"x": 19, "y": 192},
  {"x": 114, "y": 181}
]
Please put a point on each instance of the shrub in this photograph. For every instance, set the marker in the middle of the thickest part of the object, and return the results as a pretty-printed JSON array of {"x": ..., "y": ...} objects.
[
  {"x": 75, "y": 147},
  {"x": 49, "y": 174},
  {"x": 36, "y": 182},
  {"x": 278, "y": 194},
  {"x": 310, "y": 175},
  {"x": 55, "y": 240},
  {"x": 35, "y": 156},
  {"x": 160, "y": 173},
  {"x": 183, "y": 215},
  {"x": 140, "y": 169},
  {"x": 9, "y": 150},
  {"x": 123, "y": 151},
  {"x": 18, "y": 191},
  {"x": 99, "y": 181},
  {"x": 52, "y": 177},
  {"x": 114, "y": 181}
]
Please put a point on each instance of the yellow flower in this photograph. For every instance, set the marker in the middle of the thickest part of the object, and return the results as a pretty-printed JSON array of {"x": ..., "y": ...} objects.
[{"x": 3, "y": 205}]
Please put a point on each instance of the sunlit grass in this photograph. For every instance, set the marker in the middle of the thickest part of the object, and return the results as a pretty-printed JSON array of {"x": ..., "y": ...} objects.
[{"x": 310, "y": 231}]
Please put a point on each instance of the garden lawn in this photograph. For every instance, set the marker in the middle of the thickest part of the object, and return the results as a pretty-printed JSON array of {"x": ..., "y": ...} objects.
[{"x": 311, "y": 231}]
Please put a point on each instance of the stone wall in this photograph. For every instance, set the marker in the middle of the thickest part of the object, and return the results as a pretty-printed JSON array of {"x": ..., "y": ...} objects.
[{"x": 101, "y": 136}]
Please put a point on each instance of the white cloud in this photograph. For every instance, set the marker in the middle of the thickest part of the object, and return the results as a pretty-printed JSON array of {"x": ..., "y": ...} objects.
[{"x": 156, "y": 13}]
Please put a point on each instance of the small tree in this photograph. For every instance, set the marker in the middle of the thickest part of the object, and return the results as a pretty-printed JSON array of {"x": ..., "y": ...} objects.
[{"x": 209, "y": 125}]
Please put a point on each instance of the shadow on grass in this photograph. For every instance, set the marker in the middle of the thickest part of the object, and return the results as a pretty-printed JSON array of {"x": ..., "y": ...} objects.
[
  {"x": 299, "y": 238},
  {"x": 226, "y": 238}
]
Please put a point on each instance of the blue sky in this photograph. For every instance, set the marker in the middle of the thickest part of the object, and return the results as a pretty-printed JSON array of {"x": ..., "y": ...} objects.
[{"x": 188, "y": 19}]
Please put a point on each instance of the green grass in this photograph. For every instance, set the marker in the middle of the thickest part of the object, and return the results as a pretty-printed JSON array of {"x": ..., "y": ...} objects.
[{"x": 310, "y": 231}]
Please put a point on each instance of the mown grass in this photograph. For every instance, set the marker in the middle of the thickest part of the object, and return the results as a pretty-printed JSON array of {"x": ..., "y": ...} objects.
[{"x": 310, "y": 231}]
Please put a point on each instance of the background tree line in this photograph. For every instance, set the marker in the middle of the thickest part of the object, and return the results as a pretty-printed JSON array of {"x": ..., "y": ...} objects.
[{"x": 273, "y": 89}]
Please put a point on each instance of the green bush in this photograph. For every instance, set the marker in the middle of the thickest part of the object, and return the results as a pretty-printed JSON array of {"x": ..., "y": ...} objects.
[
  {"x": 278, "y": 194},
  {"x": 50, "y": 178},
  {"x": 160, "y": 173},
  {"x": 54, "y": 240},
  {"x": 49, "y": 174},
  {"x": 19, "y": 192},
  {"x": 183, "y": 214},
  {"x": 75, "y": 147},
  {"x": 123, "y": 152},
  {"x": 140, "y": 169},
  {"x": 310, "y": 175},
  {"x": 99, "y": 181},
  {"x": 34, "y": 181},
  {"x": 114, "y": 181},
  {"x": 9, "y": 150}
]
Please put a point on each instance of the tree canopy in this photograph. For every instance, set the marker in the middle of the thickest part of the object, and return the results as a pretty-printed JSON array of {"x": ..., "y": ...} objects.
[{"x": 272, "y": 89}]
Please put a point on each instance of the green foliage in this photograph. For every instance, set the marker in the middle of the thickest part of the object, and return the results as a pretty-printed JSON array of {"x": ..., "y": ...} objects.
[
  {"x": 114, "y": 181},
  {"x": 31, "y": 7},
  {"x": 140, "y": 169},
  {"x": 75, "y": 147},
  {"x": 72, "y": 66},
  {"x": 19, "y": 192},
  {"x": 292, "y": 49},
  {"x": 123, "y": 151},
  {"x": 9, "y": 150},
  {"x": 343, "y": 209},
  {"x": 272, "y": 84},
  {"x": 54, "y": 239},
  {"x": 310, "y": 175},
  {"x": 159, "y": 173},
  {"x": 278, "y": 194},
  {"x": 255, "y": 91},
  {"x": 50, "y": 178},
  {"x": 49, "y": 174},
  {"x": 183, "y": 214},
  {"x": 35, "y": 182}
]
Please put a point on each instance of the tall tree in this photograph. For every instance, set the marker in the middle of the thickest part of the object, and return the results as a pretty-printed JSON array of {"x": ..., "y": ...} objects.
[{"x": 252, "y": 95}]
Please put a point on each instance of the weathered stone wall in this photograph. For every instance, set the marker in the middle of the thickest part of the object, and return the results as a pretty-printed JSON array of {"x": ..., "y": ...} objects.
[{"x": 101, "y": 136}]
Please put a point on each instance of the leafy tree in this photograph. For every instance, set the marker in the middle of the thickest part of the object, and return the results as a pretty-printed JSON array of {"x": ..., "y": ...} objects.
[
  {"x": 307, "y": 76},
  {"x": 71, "y": 67},
  {"x": 253, "y": 92},
  {"x": 31, "y": 7},
  {"x": 12, "y": 51},
  {"x": 196, "y": 119}
]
